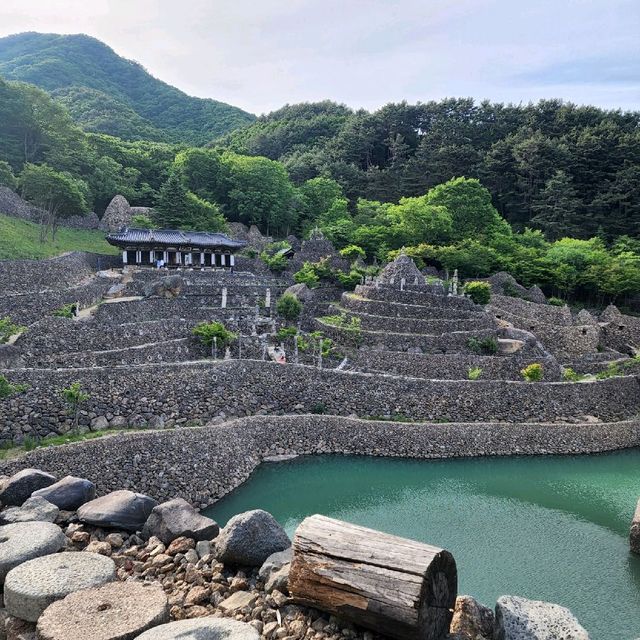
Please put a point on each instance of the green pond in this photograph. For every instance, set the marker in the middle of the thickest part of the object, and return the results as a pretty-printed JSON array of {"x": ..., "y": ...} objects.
[{"x": 551, "y": 528}]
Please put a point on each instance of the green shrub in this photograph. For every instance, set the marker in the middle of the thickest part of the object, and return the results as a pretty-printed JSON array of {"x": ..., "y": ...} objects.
[
  {"x": 289, "y": 307},
  {"x": 349, "y": 280},
  {"x": 285, "y": 332},
  {"x": 532, "y": 372},
  {"x": 572, "y": 376},
  {"x": 8, "y": 329},
  {"x": 66, "y": 311},
  {"x": 140, "y": 221},
  {"x": 556, "y": 302},
  {"x": 7, "y": 389},
  {"x": 277, "y": 263},
  {"x": 474, "y": 373},
  {"x": 318, "y": 408},
  {"x": 353, "y": 252},
  {"x": 307, "y": 275},
  {"x": 207, "y": 331},
  {"x": 479, "y": 292},
  {"x": 74, "y": 396},
  {"x": 483, "y": 346}
]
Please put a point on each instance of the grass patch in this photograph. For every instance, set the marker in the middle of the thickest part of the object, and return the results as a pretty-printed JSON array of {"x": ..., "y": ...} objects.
[
  {"x": 20, "y": 239},
  {"x": 30, "y": 444}
]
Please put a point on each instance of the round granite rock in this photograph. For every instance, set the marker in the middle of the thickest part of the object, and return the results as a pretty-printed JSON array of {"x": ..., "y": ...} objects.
[
  {"x": 114, "y": 611},
  {"x": 24, "y": 541},
  {"x": 202, "y": 629},
  {"x": 30, "y": 588}
]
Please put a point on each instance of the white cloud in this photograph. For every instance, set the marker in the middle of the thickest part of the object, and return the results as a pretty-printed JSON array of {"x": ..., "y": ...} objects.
[{"x": 259, "y": 54}]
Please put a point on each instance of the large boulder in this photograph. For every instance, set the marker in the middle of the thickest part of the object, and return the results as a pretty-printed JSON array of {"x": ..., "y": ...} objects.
[
  {"x": 31, "y": 587},
  {"x": 69, "y": 493},
  {"x": 26, "y": 540},
  {"x": 21, "y": 485},
  {"x": 168, "y": 287},
  {"x": 521, "y": 619},
  {"x": 177, "y": 518},
  {"x": 209, "y": 628},
  {"x": 113, "y": 611},
  {"x": 300, "y": 291},
  {"x": 33, "y": 509},
  {"x": 274, "y": 571},
  {"x": 117, "y": 215},
  {"x": 250, "y": 538},
  {"x": 471, "y": 620},
  {"x": 119, "y": 510},
  {"x": 634, "y": 533}
]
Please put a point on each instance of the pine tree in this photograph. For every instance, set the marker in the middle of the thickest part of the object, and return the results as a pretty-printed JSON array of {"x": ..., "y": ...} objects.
[
  {"x": 172, "y": 203},
  {"x": 556, "y": 208}
]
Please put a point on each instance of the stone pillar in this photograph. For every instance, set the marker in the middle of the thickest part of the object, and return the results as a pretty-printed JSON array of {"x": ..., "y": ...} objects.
[
  {"x": 124, "y": 257},
  {"x": 224, "y": 297},
  {"x": 165, "y": 257},
  {"x": 202, "y": 258},
  {"x": 225, "y": 262},
  {"x": 138, "y": 257},
  {"x": 267, "y": 299},
  {"x": 402, "y": 284},
  {"x": 232, "y": 260}
]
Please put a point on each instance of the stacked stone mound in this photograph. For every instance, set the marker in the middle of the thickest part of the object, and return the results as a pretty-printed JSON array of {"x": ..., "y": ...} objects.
[
  {"x": 118, "y": 214},
  {"x": 404, "y": 325}
]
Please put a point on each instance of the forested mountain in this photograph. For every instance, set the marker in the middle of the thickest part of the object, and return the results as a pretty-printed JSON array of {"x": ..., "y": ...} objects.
[
  {"x": 108, "y": 94},
  {"x": 565, "y": 169}
]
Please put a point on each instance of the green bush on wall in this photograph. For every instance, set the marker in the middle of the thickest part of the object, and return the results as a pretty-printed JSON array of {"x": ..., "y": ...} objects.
[
  {"x": 478, "y": 291},
  {"x": 289, "y": 307},
  {"x": 532, "y": 372}
]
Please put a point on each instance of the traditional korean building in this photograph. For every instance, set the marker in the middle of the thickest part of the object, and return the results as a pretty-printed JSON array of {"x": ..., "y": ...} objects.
[{"x": 187, "y": 249}]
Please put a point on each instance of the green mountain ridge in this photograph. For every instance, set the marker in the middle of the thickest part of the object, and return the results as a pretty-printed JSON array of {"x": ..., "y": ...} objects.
[{"x": 106, "y": 93}]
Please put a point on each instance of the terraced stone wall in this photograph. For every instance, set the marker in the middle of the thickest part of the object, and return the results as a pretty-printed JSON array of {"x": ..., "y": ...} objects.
[
  {"x": 451, "y": 366},
  {"x": 536, "y": 313},
  {"x": 203, "y": 464},
  {"x": 29, "y": 307},
  {"x": 198, "y": 392}
]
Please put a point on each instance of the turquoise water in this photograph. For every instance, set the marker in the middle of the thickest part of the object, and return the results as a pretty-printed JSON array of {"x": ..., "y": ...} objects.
[{"x": 548, "y": 528}]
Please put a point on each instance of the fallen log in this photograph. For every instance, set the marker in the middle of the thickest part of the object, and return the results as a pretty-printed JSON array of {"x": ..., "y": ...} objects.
[{"x": 397, "y": 587}]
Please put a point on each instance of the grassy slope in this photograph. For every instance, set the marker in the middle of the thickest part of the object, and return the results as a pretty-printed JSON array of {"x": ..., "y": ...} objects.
[{"x": 20, "y": 239}]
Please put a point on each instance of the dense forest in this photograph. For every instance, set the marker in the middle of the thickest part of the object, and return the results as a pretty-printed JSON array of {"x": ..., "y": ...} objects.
[
  {"x": 564, "y": 169},
  {"x": 548, "y": 192},
  {"x": 106, "y": 93}
]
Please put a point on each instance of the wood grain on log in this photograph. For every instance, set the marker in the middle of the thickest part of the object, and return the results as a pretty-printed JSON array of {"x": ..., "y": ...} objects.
[{"x": 398, "y": 587}]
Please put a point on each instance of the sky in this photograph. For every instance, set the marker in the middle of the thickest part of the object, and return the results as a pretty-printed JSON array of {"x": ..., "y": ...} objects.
[{"x": 262, "y": 54}]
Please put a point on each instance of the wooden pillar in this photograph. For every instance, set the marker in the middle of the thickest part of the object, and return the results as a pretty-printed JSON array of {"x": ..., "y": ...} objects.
[
  {"x": 397, "y": 587},
  {"x": 124, "y": 257},
  {"x": 232, "y": 260}
]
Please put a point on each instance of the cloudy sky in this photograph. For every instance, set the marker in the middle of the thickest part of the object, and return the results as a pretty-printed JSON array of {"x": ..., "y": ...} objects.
[{"x": 260, "y": 54}]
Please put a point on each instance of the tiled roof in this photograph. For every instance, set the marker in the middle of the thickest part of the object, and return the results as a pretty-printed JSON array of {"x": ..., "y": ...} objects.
[{"x": 173, "y": 237}]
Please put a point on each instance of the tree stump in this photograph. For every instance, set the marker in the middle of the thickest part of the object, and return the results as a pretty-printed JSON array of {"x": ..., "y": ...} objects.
[{"x": 394, "y": 586}]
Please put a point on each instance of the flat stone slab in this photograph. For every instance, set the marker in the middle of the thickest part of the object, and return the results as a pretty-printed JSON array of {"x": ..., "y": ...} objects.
[
  {"x": 33, "y": 509},
  {"x": 202, "y": 629},
  {"x": 31, "y": 587},
  {"x": 176, "y": 518},
  {"x": 21, "y": 485},
  {"x": 114, "y": 611},
  {"x": 521, "y": 619},
  {"x": 119, "y": 510},
  {"x": 27, "y": 540},
  {"x": 69, "y": 493}
]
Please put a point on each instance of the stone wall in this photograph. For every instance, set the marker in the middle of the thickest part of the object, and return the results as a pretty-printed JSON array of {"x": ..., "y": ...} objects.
[
  {"x": 447, "y": 342},
  {"x": 409, "y": 296},
  {"x": 621, "y": 332},
  {"x": 531, "y": 311},
  {"x": 198, "y": 392},
  {"x": 451, "y": 366},
  {"x": 13, "y": 205},
  {"x": 203, "y": 464},
  {"x": 26, "y": 308},
  {"x": 62, "y": 272},
  {"x": 429, "y": 326}
]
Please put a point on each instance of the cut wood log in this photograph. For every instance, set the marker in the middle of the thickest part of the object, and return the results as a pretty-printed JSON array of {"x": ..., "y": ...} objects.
[{"x": 397, "y": 587}]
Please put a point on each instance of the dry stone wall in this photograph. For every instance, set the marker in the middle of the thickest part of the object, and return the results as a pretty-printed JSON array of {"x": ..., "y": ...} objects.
[
  {"x": 149, "y": 395},
  {"x": 203, "y": 464}
]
